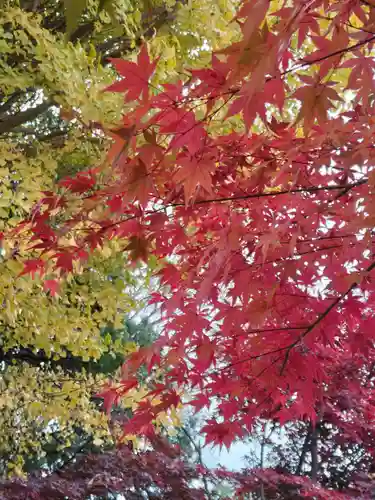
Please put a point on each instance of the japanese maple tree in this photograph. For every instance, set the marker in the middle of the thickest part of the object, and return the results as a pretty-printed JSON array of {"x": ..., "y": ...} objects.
[
  {"x": 335, "y": 451},
  {"x": 159, "y": 474},
  {"x": 251, "y": 182}
]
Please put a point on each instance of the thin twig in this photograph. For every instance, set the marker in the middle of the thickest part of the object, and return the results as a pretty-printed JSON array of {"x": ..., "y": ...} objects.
[
  {"x": 320, "y": 318},
  {"x": 198, "y": 450},
  {"x": 312, "y": 189},
  {"x": 303, "y": 453}
]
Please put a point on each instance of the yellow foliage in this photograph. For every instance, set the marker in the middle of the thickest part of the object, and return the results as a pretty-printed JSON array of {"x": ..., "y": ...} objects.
[
  {"x": 41, "y": 400},
  {"x": 36, "y": 403}
]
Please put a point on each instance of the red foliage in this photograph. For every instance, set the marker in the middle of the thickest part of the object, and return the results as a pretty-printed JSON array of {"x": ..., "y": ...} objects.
[
  {"x": 136, "y": 77},
  {"x": 159, "y": 474},
  {"x": 122, "y": 471}
]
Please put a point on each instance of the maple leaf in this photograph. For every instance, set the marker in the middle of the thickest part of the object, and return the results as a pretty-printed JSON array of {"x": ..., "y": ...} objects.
[
  {"x": 195, "y": 172},
  {"x": 128, "y": 228},
  {"x": 309, "y": 23},
  {"x": 138, "y": 248},
  {"x": 141, "y": 422},
  {"x": 222, "y": 434},
  {"x": 212, "y": 79},
  {"x": 110, "y": 398},
  {"x": 172, "y": 93},
  {"x": 53, "y": 201},
  {"x": 139, "y": 182},
  {"x": 168, "y": 400},
  {"x": 125, "y": 133},
  {"x": 205, "y": 353},
  {"x": 51, "y": 286},
  {"x": 360, "y": 78},
  {"x": 336, "y": 44},
  {"x": 82, "y": 182},
  {"x": 116, "y": 203},
  {"x": 254, "y": 13},
  {"x": 127, "y": 386},
  {"x": 136, "y": 76},
  {"x": 33, "y": 267},
  {"x": 186, "y": 131},
  {"x": 267, "y": 241},
  {"x": 316, "y": 102},
  {"x": 64, "y": 261},
  {"x": 253, "y": 104},
  {"x": 201, "y": 401}
]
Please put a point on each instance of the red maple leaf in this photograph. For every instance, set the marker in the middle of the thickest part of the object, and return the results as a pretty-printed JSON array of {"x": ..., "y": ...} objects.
[
  {"x": 201, "y": 401},
  {"x": 136, "y": 76},
  {"x": 33, "y": 267},
  {"x": 64, "y": 261},
  {"x": 51, "y": 286},
  {"x": 138, "y": 248},
  {"x": 205, "y": 353},
  {"x": 82, "y": 182},
  {"x": 222, "y": 434},
  {"x": 110, "y": 397},
  {"x": 195, "y": 172},
  {"x": 186, "y": 131}
]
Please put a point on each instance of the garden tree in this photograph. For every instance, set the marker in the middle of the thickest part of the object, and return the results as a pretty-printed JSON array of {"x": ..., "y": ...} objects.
[
  {"x": 264, "y": 234},
  {"x": 156, "y": 474},
  {"x": 57, "y": 448},
  {"x": 151, "y": 474},
  {"x": 49, "y": 409},
  {"x": 53, "y": 347},
  {"x": 337, "y": 451},
  {"x": 43, "y": 73}
]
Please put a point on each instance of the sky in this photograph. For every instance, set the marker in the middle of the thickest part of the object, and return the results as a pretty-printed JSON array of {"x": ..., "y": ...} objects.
[{"x": 232, "y": 459}]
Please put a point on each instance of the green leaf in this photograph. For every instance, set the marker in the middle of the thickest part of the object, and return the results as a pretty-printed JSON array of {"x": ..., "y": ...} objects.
[
  {"x": 103, "y": 4},
  {"x": 73, "y": 11}
]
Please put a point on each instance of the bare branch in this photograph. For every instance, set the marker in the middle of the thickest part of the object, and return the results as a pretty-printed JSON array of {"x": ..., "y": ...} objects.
[
  {"x": 314, "y": 452},
  {"x": 13, "y": 121},
  {"x": 197, "y": 448},
  {"x": 302, "y": 457}
]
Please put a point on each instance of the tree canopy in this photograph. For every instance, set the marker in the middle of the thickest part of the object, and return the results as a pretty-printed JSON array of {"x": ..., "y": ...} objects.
[
  {"x": 229, "y": 167},
  {"x": 59, "y": 341}
]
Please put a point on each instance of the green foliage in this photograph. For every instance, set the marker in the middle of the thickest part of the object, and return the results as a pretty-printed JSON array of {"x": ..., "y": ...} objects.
[{"x": 73, "y": 11}]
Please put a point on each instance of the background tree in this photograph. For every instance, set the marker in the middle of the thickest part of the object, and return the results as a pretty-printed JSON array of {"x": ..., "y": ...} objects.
[
  {"x": 336, "y": 449},
  {"x": 151, "y": 474}
]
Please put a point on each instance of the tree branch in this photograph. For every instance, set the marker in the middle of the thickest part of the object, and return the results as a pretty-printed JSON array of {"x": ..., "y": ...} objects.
[
  {"x": 312, "y": 189},
  {"x": 314, "y": 452},
  {"x": 82, "y": 31},
  {"x": 152, "y": 21},
  {"x": 13, "y": 121},
  {"x": 261, "y": 462},
  {"x": 25, "y": 355},
  {"x": 302, "y": 457},
  {"x": 320, "y": 318},
  {"x": 73, "y": 455},
  {"x": 331, "y": 54},
  {"x": 52, "y": 135},
  {"x": 13, "y": 98},
  {"x": 200, "y": 460}
]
